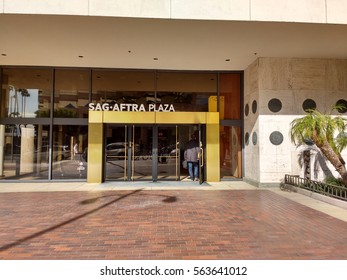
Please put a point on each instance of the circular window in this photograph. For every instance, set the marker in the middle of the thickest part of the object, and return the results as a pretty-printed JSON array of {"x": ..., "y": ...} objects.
[
  {"x": 275, "y": 105},
  {"x": 246, "y": 109},
  {"x": 342, "y": 103},
  {"x": 276, "y": 138},
  {"x": 254, "y": 106},
  {"x": 309, "y": 104},
  {"x": 247, "y": 138},
  {"x": 254, "y": 138}
]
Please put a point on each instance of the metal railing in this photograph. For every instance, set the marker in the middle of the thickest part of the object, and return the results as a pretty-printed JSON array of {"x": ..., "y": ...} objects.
[{"x": 317, "y": 187}]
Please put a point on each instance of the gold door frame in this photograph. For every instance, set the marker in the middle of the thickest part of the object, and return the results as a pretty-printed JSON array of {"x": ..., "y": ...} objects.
[{"x": 97, "y": 119}]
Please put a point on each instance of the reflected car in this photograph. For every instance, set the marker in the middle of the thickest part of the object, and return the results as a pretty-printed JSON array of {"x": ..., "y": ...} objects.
[
  {"x": 150, "y": 98},
  {"x": 63, "y": 151},
  {"x": 117, "y": 149},
  {"x": 60, "y": 152}
]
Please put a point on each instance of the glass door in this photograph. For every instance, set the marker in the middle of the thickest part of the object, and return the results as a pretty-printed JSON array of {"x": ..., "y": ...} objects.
[
  {"x": 140, "y": 153},
  {"x": 116, "y": 152},
  {"x": 230, "y": 152},
  {"x": 168, "y": 153},
  {"x": 149, "y": 152},
  {"x": 186, "y": 134},
  {"x": 128, "y": 152}
]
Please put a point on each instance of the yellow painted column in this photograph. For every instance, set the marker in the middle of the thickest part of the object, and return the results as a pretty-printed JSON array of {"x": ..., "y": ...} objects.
[
  {"x": 212, "y": 148},
  {"x": 95, "y": 153}
]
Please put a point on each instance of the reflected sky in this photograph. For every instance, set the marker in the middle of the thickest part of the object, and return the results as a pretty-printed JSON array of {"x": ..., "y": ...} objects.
[{"x": 23, "y": 103}]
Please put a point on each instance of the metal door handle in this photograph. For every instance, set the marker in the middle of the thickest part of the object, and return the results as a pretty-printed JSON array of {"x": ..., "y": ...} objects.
[{"x": 202, "y": 157}]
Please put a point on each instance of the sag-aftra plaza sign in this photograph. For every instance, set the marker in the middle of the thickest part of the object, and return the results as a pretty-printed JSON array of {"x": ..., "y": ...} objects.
[{"x": 131, "y": 107}]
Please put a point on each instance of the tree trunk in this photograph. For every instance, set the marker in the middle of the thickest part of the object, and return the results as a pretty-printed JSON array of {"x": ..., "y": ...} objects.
[{"x": 329, "y": 153}]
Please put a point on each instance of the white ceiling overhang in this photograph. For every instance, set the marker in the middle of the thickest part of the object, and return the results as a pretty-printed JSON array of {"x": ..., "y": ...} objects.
[{"x": 85, "y": 41}]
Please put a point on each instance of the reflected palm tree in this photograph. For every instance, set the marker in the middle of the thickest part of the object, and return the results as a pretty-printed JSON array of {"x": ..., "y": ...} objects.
[
  {"x": 25, "y": 94},
  {"x": 13, "y": 106}
]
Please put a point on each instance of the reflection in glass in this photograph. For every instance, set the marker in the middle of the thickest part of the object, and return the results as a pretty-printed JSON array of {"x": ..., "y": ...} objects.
[
  {"x": 70, "y": 151},
  {"x": 185, "y": 132},
  {"x": 128, "y": 152},
  {"x": 141, "y": 152},
  {"x": 26, "y": 152},
  {"x": 187, "y": 91},
  {"x": 230, "y": 152},
  {"x": 123, "y": 87},
  {"x": 116, "y": 152},
  {"x": 168, "y": 153},
  {"x": 71, "y": 95},
  {"x": 27, "y": 92},
  {"x": 230, "y": 96}
]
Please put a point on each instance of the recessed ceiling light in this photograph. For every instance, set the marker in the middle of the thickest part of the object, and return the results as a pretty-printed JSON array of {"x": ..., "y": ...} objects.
[
  {"x": 80, "y": 56},
  {"x": 3, "y": 54},
  {"x": 228, "y": 59},
  {"x": 155, "y": 58}
]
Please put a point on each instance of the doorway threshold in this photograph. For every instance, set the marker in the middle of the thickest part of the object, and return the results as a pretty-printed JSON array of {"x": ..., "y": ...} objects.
[{"x": 160, "y": 184}]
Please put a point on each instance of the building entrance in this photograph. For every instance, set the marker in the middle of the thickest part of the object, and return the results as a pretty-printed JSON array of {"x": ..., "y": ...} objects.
[{"x": 149, "y": 152}]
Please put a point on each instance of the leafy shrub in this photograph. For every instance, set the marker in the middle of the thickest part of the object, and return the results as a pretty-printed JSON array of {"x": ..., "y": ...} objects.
[{"x": 335, "y": 181}]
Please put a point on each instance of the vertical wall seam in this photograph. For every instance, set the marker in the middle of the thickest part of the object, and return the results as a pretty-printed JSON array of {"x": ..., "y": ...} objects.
[{"x": 326, "y": 11}]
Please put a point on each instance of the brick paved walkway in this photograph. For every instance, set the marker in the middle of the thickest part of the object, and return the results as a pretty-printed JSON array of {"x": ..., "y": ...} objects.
[{"x": 183, "y": 224}]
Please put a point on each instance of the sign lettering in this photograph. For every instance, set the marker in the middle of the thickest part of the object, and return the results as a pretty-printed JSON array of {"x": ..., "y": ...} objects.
[{"x": 126, "y": 107}]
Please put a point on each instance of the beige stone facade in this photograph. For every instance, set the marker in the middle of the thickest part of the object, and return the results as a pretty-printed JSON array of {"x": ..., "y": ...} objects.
[
  {"x": 291, "y": 81},
  {"x": 314, "y": 11}
]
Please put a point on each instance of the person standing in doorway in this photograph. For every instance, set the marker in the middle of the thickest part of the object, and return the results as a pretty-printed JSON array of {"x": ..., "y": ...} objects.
[{"x": 191, "y": 155}]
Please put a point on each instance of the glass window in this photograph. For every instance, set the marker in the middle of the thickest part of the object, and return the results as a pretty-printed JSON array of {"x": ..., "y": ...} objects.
[
  {"x": 230, "y": 152},
  {"x": 25, "y": 152},
  {"x": 230, "y": 96},
  {"x": 186, "y": 91},
  {"x": 71, "y": 95},
  {"x": 123, "y": 87},
  {"x": 70, "y": 150},
  {"x": 26, "y": 92}
]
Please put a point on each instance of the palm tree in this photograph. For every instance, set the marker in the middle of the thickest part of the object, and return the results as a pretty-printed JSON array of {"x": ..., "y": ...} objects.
[
  {"x": 25, "y": 94},
  {"x": 321, "y": 129}
]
